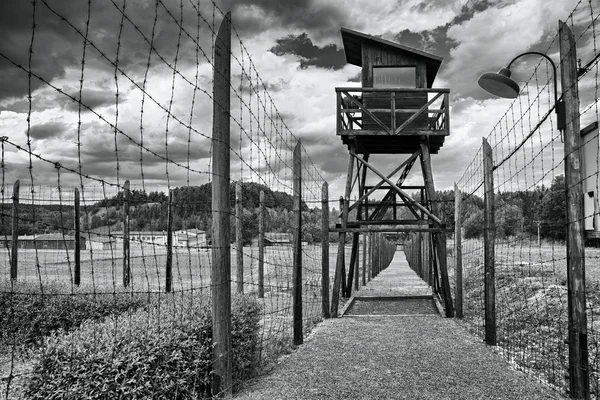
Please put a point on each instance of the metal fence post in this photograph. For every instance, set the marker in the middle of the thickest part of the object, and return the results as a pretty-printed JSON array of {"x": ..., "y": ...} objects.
[
  {"x": 126, "y": 252},
  {"x": 77, "y": 273}
]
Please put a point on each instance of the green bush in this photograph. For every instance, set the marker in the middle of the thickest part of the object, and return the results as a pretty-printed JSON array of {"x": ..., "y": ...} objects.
[
  {"x": 163, "y": 351},
  {"x": 27, "y": 315}
]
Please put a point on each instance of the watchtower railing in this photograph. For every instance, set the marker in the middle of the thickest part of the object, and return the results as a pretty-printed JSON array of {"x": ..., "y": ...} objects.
[{"x": 392, "y": 111}]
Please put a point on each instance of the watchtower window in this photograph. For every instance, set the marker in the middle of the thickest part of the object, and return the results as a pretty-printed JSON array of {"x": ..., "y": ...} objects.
[{"x": 390, "y": 77}]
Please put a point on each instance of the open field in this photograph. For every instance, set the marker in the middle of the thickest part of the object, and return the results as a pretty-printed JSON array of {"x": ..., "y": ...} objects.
[
  {"x": 531, "y": 305},
  {"x": 101, "y": 274}
]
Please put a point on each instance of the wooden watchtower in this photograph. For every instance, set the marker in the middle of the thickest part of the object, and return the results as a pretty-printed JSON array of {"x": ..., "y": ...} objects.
[{"x": 395, "y": 111}]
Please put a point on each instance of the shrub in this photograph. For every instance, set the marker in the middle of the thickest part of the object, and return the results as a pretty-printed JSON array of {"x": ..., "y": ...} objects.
[
  {"x": 163, "y": 351},
  {"x": 27, "y": 315}
]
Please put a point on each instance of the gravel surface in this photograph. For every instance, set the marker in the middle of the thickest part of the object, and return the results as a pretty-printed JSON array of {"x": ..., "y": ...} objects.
[
  {"x": 392, "y": 307},
  {"x": 402, "y": 357}
]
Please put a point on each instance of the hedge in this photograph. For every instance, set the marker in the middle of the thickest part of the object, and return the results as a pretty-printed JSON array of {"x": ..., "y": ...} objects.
[
  {"x": 163, "y": 351},
  {"x": 27, "y": 314}
]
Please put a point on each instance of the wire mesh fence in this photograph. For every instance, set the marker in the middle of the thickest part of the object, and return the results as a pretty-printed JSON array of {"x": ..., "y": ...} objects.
[
  {"x": 531, "y": 222},
  {"x": 106, "y": 207}
]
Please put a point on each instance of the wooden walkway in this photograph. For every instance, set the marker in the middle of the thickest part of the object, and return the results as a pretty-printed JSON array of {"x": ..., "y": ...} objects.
[{"x": 420, "y": 356}]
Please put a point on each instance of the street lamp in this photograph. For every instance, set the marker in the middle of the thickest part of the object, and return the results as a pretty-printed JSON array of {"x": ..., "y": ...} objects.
[{"x": 500, "y": 84}]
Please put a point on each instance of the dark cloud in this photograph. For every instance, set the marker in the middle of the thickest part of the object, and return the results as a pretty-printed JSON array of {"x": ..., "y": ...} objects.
[
  {"x": 254, "y": 16},
  {"x": 48, "y": 130},
  {"x": 91, "y": 98},
  {"x": 57, "y": 41},
  {"x": 328, "y": 56}
]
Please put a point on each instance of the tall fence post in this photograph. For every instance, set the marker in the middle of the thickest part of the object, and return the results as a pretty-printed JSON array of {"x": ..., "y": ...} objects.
[
  {"x": 77, "y": 273},
  {"x": 297, "y": 290},
  {"x": 126, "y": 252},
  {"x": 578, "y": 351},
  {"x": 458, "y": 251},
  {"x": 221, "y": 258},
  {"x": 325, "y": 249},
  {"x": 14, "y": 256},
  {"x": 261, "y": 245},
  {"x": 489, "y": 245},
  {"x": 169, "y": 266},
  {"x": 239, "y": 243}
]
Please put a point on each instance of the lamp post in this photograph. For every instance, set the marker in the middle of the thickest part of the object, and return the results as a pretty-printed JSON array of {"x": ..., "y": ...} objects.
[{"x": 500, "y": 84}]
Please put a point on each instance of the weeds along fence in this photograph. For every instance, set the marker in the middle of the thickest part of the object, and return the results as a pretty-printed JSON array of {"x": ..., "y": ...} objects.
[
  {"x": 142, "y": 254},
  {"x": 526, "y": 275}
]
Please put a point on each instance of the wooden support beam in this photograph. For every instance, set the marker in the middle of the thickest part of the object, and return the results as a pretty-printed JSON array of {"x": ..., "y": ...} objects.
[
  {"x": 417, "y": 114},
  {"x": 397, "y": 189},
  {"x": 372, "y": 189},
  {"x": 439, "y": 238},
  {"x": 340, "y": 267},
  {"x": 578, "y": 348}
]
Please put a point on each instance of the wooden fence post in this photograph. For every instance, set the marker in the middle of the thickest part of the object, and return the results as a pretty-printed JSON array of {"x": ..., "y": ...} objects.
[
  {"x": 221, "y": 257},
  {"x": 126, "y": 252},
  {"x": 458, "y": 251},
  {"x": 169, "y": 266},
  {"x": 14, "y": 257},
  {"x": 489, "y": 245},
  {"x": 578, "y": 348},
  {"x": 364, "y": 260},
  {"x": 261, "y": 245},
  {"x": 325, "y": 249},
  {"x": 239, "y": 243},
  {"x": 77, "y": 274},
  {"x": 297, "y": 290}
]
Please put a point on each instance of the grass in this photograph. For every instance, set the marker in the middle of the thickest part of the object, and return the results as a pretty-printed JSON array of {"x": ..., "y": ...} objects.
[
  {"x": 51, "y": 271},
  {"x": 531, "y": 305}
]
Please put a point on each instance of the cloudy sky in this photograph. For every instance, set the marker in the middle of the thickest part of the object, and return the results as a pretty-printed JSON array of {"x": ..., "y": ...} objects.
[{"x": 140, "y": 120}]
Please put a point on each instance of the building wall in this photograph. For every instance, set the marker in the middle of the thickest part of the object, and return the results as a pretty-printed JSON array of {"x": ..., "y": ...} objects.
[{"x": 591, "y": 180}]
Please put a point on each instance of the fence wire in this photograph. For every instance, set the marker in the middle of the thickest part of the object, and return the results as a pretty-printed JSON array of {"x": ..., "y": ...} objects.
[
  {"x": 530, "y": 218},
  {"x": 112, "y": 106}
]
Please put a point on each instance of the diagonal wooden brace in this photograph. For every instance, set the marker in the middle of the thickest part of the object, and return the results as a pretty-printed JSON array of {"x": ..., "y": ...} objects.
[{"x": 398, "y": 190}]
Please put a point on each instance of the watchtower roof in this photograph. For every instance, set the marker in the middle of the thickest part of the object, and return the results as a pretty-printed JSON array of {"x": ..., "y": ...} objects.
[{"x": 353, "y": 44}]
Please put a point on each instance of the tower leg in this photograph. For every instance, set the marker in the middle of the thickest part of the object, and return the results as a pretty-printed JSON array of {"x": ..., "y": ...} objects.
[
  {"x": 340, "y": 267},
  {"x": 439, "y": 239}
]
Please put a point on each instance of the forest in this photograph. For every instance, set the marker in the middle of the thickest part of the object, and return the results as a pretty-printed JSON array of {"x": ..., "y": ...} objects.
[{"x": 518, "y": 214}]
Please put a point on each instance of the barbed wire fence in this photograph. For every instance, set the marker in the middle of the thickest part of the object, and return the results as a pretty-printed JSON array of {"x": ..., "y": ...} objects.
[
  {"x": 521, "y": 216},
  {"x": 107, "y": 230}
]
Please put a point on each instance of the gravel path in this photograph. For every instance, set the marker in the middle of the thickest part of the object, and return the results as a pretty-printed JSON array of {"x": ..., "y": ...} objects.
[
  {"x": 394, "y": 356},
  {"x": 425, "y": 357}
]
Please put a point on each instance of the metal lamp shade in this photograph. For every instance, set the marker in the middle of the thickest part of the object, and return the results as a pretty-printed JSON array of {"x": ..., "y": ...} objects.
[{"x": 499, "y": 84}]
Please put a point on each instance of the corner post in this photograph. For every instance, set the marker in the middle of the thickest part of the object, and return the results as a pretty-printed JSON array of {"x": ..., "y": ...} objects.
[{"x": 578, "y": 349}]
